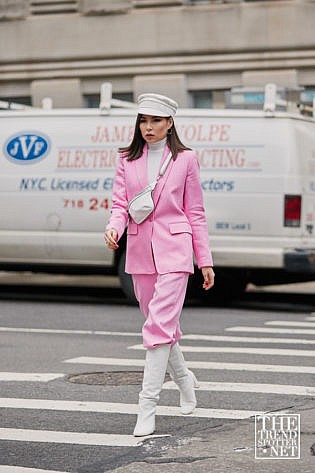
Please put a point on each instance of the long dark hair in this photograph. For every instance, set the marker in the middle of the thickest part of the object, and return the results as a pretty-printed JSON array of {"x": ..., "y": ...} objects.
[{"x": 135, "y": 149}]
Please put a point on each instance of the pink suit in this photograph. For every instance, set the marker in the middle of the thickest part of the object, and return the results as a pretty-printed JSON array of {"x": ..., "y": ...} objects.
[{"x": 165, "y": 242}]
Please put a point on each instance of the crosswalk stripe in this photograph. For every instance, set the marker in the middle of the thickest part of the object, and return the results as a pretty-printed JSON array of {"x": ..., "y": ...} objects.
[
  {"x": 51, "y": 436},
  {"x": 69, "y": 332},
  {"x": 36, "y": 377},
  {"x": 290, "y": 323},
  {"x": 270, "y": 330},
  {"x": 253, "y": 351},
  {"x": 203, "y": 365},
  {"x": 247, "y": 387},
  {"x": 200, "y": 337},
  {"x": 250, "y": 388},
  {"x": 227, "y": 338},
  {"x": 22, "y": 469},
  {"x": 118, "y": 408}
]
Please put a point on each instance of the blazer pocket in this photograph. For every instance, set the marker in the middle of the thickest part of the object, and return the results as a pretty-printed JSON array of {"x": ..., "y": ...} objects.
[
  {"x": 180, "y": 227},
  {"x": 132, "y": 228}
]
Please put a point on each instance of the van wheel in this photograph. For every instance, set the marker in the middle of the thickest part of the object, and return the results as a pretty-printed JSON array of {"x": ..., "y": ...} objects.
[
  {"x": 126, "y": 283},
  {"x": 230, "y": 283}
]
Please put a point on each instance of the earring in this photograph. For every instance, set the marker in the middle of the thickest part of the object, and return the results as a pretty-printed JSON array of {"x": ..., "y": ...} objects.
[{"x": 169, "y": 131}]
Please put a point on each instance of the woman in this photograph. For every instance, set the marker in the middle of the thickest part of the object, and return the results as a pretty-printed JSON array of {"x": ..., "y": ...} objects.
[{"x": 160, "y": 250}]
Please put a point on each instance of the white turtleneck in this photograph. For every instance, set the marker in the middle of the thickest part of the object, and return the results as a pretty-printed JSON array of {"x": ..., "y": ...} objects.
[{"x": 155, "y": 154}]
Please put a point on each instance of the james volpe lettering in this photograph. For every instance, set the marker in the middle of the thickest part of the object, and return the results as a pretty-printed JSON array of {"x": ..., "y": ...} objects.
[
  {"x": 115, "y": 134},
  {"x": 202, "y": 133}
]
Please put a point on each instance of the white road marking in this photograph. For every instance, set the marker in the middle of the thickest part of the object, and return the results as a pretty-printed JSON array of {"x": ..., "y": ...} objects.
[
  {"x": 227, "y": 338},
  {"x": 118, "y": 408},
  {"x": 202, "y": 365},
  {"x": 251, "y": 351},
  {"x": 290, "y": 323},
  {"x": 214, "y": 338},
  {"x": 36, "y": 377},
  {"x": 22, "y": 469},
  {"x": 251, "y": 388},
  {"x": 69, "y": 332},
  {"x": 271, "y": 330},
  {"x": 51, "y": 436}
]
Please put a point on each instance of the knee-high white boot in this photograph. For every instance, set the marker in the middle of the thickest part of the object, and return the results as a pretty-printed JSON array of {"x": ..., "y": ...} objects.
[
  {"x": 184, "y": 378},
  {"x": 153, "y": 378}
]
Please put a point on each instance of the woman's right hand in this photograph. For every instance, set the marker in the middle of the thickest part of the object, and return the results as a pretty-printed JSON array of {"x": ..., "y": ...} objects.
[{"x": 110, "y": 238}]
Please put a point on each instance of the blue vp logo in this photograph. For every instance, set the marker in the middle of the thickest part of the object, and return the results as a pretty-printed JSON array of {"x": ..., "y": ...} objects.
[{"x": 27, "y": 147}]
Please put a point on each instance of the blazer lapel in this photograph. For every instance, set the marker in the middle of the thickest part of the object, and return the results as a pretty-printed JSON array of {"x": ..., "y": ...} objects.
[{"x": 163, "y": 179}]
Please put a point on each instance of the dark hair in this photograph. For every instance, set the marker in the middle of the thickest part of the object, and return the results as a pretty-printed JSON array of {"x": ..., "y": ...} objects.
[{"x": 135, "y": 149}]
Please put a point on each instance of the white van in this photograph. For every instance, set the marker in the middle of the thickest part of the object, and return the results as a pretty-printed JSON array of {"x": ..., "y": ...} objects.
[{"x": 257, "y": 174}]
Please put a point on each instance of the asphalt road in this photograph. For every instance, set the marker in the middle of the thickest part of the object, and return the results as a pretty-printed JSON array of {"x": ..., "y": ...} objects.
[{"x": 49, "y": 424}]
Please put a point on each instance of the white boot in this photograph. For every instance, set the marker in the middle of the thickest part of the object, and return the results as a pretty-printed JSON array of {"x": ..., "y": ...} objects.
[
  {"x": 184, "y": 378},
  {"x": 153, "y": 379}
]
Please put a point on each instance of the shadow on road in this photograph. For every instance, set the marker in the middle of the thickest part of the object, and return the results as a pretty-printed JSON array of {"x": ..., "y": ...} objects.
[{"x": 113, "y": 295}]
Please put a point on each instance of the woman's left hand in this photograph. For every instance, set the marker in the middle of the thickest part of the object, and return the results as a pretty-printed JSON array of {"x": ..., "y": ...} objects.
[{"x": 208, "y": 276}]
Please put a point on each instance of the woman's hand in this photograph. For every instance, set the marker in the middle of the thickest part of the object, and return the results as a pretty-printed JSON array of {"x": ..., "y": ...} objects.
[
  {"x": 208, "y": 276},
  {"x": 110, "y": 238}
]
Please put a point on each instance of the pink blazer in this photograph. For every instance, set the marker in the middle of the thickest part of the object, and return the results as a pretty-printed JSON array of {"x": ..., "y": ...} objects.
[{"x": 166, "y": 241}]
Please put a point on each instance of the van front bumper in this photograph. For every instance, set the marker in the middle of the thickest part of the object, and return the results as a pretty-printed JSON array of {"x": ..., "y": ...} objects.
[{"x": 300, "y": 260}]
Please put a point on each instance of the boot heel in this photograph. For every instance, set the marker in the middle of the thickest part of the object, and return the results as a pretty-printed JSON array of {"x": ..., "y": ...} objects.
[{"x": 196, "y": 384}]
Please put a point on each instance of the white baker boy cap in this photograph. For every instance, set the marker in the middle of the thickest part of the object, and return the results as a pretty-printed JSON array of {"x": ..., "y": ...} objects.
[{"x": 156, "y": 105}]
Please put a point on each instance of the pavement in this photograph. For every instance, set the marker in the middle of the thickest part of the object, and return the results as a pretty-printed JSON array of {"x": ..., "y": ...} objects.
[
  {"x": 227, "y": 448},
  {"x": 28, "y": 277}
]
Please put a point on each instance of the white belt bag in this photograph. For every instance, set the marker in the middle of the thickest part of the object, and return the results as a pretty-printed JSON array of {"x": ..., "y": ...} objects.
[{"x": 142, "y": 204}]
